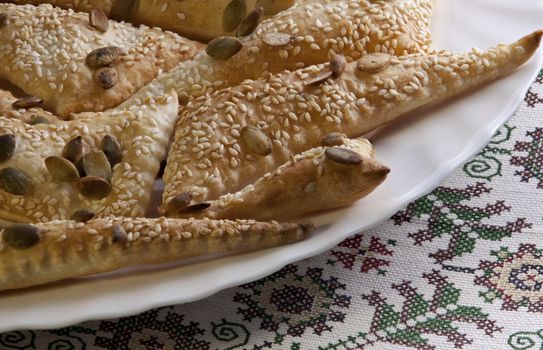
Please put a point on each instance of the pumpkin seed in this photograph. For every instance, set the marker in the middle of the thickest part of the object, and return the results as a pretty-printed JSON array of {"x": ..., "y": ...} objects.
[
  {"x": 183, "y": 98},
  {"x": 123, "y": 10},
  {"x": 272, "y": 7},
  {"x": 95, "y": 163},
  {"x": 5, "y": 224},
  {"x": 333, "y": 139},
  {"x": 257, "y": 142},
  {"x": 21, "y": 236},
  {"x": 374, "y": 62},
  {"x": 79, "y": 166},
  {"x": 73, "y": 150},
  {"x": 98, "y": 20},
  {"x": 276, "y": 39},
  {"x": 82, "y": 215},
  {"x": 112, "y": 150},
  {"x": 106, "y": 77},
  {"x": 94, "y": 187},
  {"x": 318, "y": 79},
  {"x": 195, "y": 207},
  {"x": 337, "y": 65},
  {"x": 38, "y": 119},
  {"x": 3, "y": 19},
  {"x": 119, "y": 234},
  {"x": 250, "y": 22},
  {"x": 15, "y": 181},
  {"x": 233, "y": 15},
  {"x": 343, "y": 156},
  {"x": 178, "y": 203},
  {"x": 223, "y": 47},
  {"x": 61, "y": 169},
  {"x": 103, "y": 56},
  {"x": 7, "y": 147},
  {"x": 27, "y": 102}
]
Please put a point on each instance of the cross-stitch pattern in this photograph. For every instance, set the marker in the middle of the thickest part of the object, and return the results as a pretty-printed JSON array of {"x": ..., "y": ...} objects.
[
  {"x": 447, "y": 213},
  {"x": 531, "y": 160}
]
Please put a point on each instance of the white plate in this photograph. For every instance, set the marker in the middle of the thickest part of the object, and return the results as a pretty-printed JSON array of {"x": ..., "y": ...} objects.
[{"x": 421, "y": 151}]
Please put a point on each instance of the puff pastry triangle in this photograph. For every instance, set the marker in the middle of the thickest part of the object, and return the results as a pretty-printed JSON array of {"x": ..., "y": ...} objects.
[
  {"x": 326, "y": 177},
  {"x": 57, "y": 56},
  {"x": 231, "y": 139},
  {"x": 103, "y": 162}
]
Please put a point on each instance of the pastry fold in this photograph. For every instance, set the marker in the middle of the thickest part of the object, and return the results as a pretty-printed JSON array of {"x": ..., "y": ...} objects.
[
  {"x": 321, "y": 178},
  {"x": 36, "y": 254},
  {"x": 230, "y": 139},
  {"x": 105, "y": 162},
  {"x": 46, "y": 52}
]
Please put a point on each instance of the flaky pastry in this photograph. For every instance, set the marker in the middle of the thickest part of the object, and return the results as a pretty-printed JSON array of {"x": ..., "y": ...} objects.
[
  {"x": 37, "y": 254},
  {"x": 58, "y": 56},
  {"x": 309, "y": 33},
  {"x": 333, "y": 175},
  {"x": 196, "y": 19},
  {"x": 227, "y": 141},
  {"x": 99, "y": 163}
]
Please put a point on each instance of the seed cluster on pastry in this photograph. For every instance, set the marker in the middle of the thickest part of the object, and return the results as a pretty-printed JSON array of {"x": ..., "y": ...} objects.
[
  {"x": 73, "y": 66},
  {"x": 262, "y": 122},
  {"x": 306, "y": 34},
  {"x": 213, "y": 152},
  {"x": 105, "y": 162}
]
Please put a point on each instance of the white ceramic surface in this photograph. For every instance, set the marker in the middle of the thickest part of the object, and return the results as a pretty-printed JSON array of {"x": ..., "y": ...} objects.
[{"x": 421, "y": 151}]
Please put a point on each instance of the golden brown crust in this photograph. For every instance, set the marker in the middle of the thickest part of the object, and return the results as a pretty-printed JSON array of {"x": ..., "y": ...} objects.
[
  {"x": 58, "y": 72},
  {"x": 82, "y": 5},
  {"x": 312, "y": 32},
  {"x": 64, "y": 249},
  {"x": 26, "y": 115},
  {"x": 142, "y": 131},
  {"x": 321, "y": 178},
  {"x": 210, "y": 156},
  {"x": 195, "y": 19}
]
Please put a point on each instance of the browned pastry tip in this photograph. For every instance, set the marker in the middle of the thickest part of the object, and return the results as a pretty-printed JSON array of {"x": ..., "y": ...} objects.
[{"x": 319, "y": 179}]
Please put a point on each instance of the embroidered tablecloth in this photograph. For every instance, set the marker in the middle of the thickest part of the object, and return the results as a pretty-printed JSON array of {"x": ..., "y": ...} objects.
[{"x": 461, "y": 268}]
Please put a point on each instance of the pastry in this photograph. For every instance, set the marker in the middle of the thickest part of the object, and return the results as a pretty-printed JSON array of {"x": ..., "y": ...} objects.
[
  {"x": 196, "y": 19},
  {"x": 83, "y": 6},
  {"x": 101, "y": 162},
  {"x": 309, "y": 33},
  {"x": 36, "y": 254},
  {"x": 326, "y": 177},
  {"x": 227, "y": 141},
  {"x": 10, "y": 107},
  {"x": 57, "y": 56}
]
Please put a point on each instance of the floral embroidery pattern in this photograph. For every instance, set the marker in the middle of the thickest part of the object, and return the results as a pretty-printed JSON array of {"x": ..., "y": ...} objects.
[
  {"x": 419, "y": 316},
  {"x": 446, "y": 212},
  {"x": 516, "y": 278},
  {"x": 357, "y": 252},
  {"x": 532, "y": 159},
  {"x": 295, "y": 301}
]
